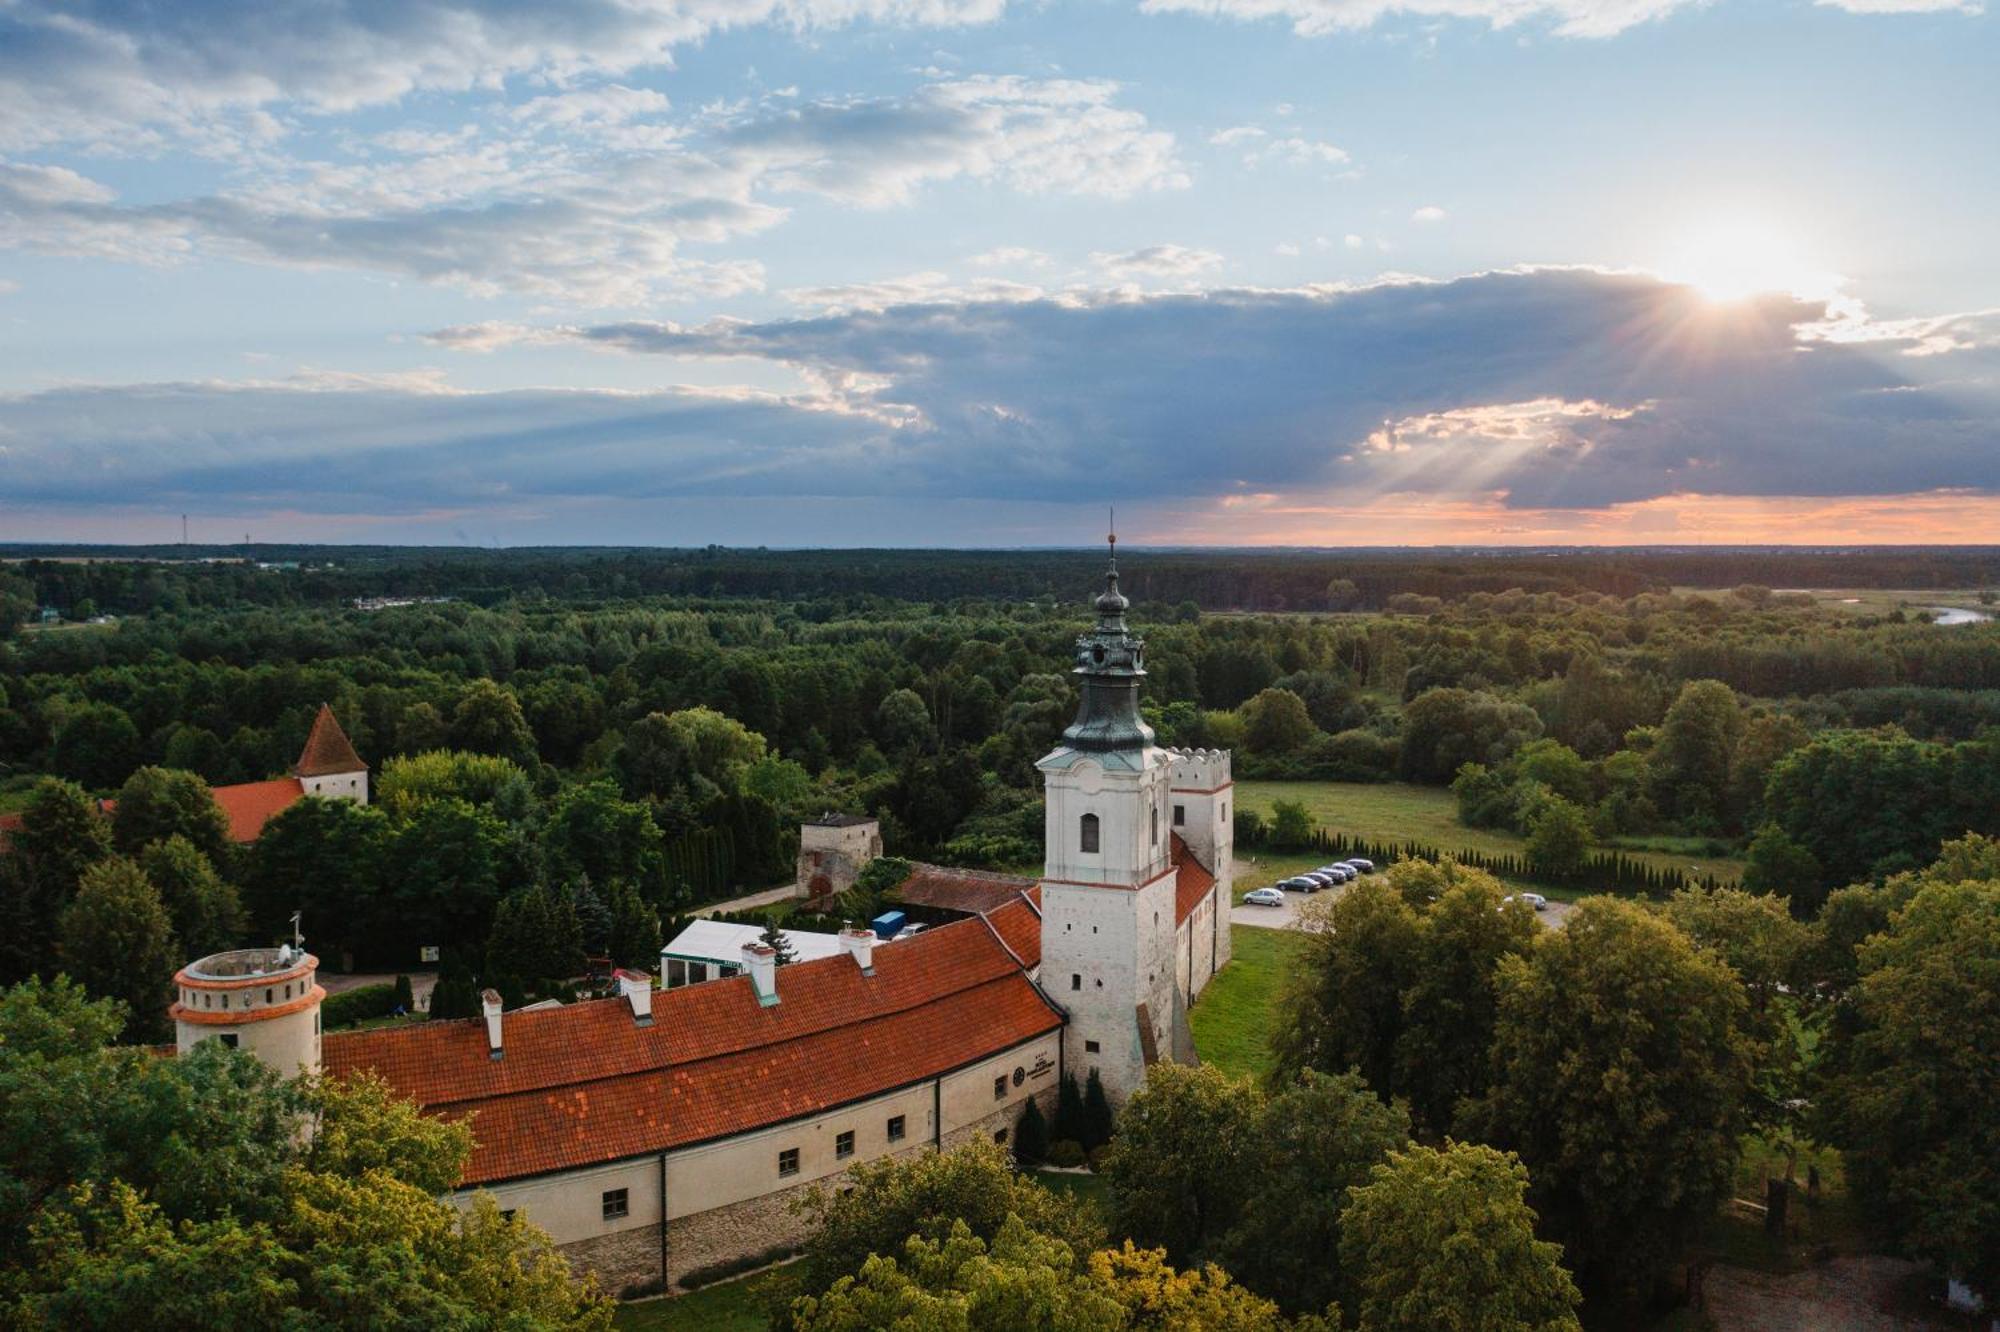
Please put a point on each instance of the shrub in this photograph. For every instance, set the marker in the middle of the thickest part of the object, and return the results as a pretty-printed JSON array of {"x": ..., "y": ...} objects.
[
  {"x": 1098, "y": 1121},
  {"x": 1067, "y": 1154},
  {"x": 358, "y": 1005},
  {"x": 749, "y": 1262},
  {"x": 1098, "y": 1155},
  {"x": 406, "y": 998}
]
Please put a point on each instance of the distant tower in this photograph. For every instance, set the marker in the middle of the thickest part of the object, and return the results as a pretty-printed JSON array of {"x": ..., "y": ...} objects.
[
  {"x": 1108, "y": 884},
  {"x": 328, "y": 765},
  {"x": 264, "y": 1000}
]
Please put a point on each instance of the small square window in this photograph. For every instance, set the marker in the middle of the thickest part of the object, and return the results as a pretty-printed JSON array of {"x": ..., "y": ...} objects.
[
  {"x": 999, "y": 1135},
  {"x": 507, "y": 1213},
  {"x": 1076, "y": 980},
  {"x": 617, "y": 1203},
  {"x": 1090, "y": 1047},
  {"x": 228, "y": 1038},
  {"x": 788, "y": 1161},
  {"x": 1180, "y": 816},
  {"x": 843, "y": 1144},
  {"x": 1000, "y": 1088},
  {"x": 896, "y": 1129}
]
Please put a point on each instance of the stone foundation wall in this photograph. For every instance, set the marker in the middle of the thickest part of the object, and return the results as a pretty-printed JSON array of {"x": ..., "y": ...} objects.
[{"x": 631, "y": 1258}]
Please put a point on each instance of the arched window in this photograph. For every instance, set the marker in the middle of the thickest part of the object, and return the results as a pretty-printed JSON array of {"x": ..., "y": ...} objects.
[
  {"x": 1087, "y": 835},
  {"x": 1156, "y": 825}
]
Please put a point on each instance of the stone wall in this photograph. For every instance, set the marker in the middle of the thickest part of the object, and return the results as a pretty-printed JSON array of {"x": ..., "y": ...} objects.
[{"x": 629, "y": 1259}]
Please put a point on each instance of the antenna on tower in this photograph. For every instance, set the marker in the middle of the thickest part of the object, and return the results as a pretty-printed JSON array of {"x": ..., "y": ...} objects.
[
  {"x": 297, "y": 941},
  {"x": 1113, "y": 535}
]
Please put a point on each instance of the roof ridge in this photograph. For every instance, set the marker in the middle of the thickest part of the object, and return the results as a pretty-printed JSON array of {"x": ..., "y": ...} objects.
[{"x": 652, "y": 1070}]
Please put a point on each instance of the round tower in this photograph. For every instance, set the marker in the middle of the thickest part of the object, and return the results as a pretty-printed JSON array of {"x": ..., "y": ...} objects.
[{"x": 264, "y": 1000}]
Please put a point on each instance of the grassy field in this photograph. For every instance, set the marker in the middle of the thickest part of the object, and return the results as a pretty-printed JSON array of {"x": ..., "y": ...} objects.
[
  {"x": 1400, "y": 812},
  {"x": 1232, "y": 1019},
  {"x": 731, "y": 1306}
]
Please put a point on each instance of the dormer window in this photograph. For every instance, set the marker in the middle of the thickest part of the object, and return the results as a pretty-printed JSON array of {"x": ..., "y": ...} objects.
[{"x": 1087, "y": 835}]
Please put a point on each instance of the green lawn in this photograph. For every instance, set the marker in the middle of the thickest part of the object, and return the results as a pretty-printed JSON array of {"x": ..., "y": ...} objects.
[
  {"x": 1401, "y": 812},
  {"x": 730, "y": 1306},
  {"x": 1232, "y": 1018}
]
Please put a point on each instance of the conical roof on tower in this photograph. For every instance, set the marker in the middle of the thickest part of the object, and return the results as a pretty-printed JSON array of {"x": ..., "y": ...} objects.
[{"x": 328, "y": 750}]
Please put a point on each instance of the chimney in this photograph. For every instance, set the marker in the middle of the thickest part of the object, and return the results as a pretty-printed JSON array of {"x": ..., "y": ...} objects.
[
  {"x": 489, "y": 1003},
  {"x": 637, "y": 987},
  {"x": 859, "y": 944},
  {"x": 761, "y": 961}
]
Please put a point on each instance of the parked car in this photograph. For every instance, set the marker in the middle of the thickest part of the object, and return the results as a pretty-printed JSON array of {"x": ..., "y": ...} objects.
[
  {"x": 1299, "y": 884},
  {"x": 1264, "y": 897},
  {"x": 1535, "y": 900},
  {"x": 1361, "y": 866},
  {"x": 1323, "y": 879},
  {"x": 1340, "y": 873}
]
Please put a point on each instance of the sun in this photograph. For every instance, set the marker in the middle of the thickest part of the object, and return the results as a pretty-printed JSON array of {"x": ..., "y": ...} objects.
[{"x": 1731, "y": 258}]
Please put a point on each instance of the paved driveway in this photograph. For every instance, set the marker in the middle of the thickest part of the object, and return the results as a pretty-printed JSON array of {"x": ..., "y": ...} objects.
[{"x": 1287, "y": 916}]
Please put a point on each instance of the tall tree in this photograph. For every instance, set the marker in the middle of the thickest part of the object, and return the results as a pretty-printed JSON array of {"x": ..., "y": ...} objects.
[
  {"x": 1914, "y": 1096},
  {"x": 1315, "y": 1138},
  {"x": 206, "y": 912},
  {"x": 1621, "y": 1076},
  {"x": 1442, "y": 1240},
  {"x": 1690, "y": 763},
  {"x": 1342, "y": 1007},
  {"x": 1180, "y": 1165},
  {"x": 96, "y": 745},
  {"x": 61, "y": 835},
  {"x": 118, "y": 942},
  {"x": 488, "y": 720},
  {"x": 1449, "y": 1006},
  {"x": 158, "y": 803}
]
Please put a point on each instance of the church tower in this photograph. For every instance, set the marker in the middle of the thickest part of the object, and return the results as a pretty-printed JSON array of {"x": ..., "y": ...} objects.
[
  {"x": 1108, "y": 885},
  {"x": 328, "y": 765}
]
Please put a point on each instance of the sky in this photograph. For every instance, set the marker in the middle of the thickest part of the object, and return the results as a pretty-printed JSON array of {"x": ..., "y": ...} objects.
[{"x": 967, "y": 272}]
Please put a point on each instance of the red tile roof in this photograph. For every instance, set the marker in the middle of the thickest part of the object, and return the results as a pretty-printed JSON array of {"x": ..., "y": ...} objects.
[
  {"x": 1019, "y": 925},
  {"x": 970, "y": 891},
  {"x": 328, "y": 749},
  {"x": 251, "y": 805},
  {"x": 584, "y": 1083},
  {"x": 1192, "y": 881}
]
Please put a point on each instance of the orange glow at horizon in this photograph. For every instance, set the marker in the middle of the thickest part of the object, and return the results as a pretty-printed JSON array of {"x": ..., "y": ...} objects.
[{"x": 1937, "y": 518}]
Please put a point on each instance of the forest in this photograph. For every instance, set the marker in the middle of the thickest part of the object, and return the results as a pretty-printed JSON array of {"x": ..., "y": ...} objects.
[{"x": 605, "y": 739}]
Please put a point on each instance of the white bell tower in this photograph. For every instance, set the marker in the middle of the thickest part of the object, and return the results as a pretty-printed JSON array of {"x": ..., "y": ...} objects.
[{"x": 1108, "y": 880}]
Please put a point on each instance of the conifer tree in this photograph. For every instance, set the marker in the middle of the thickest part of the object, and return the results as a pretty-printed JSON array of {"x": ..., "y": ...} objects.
[
  {"x": 1031, "y": 1135},
  {"x": 775, "y": 938},
  {"x": 635, "y": 928},
  {"x": 1098, "y": 1121},
  {"x": 1069, "y": 1112}
]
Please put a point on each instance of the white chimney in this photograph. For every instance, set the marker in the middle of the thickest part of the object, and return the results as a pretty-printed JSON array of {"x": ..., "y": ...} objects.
[
  {"x": 637, "y": 987},
  {"x": 761, "y": 961},
  {"x": 489, "y": 1003},
  {"x": 859, "y": 944}
]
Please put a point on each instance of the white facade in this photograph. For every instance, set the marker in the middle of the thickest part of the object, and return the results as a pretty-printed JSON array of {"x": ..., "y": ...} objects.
[
  {"x": 1202, "y": 796},
  {"x": 338, "y": 786}
]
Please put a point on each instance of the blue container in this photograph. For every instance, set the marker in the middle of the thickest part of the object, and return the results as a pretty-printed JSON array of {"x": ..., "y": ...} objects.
[{"x": 889, "y": 924}]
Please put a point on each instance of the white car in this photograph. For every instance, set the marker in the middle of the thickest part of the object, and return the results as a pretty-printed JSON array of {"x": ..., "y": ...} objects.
[
  {"x": 1264, "y": 897},
  {"x": 1535, "y": 900}
]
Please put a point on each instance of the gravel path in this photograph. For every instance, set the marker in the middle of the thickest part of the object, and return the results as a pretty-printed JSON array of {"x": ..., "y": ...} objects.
[{"x": 1855, "y": 1293}]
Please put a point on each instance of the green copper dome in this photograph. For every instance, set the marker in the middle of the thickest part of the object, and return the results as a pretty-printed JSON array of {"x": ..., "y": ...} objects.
[{"x": 1112, "y": 663}]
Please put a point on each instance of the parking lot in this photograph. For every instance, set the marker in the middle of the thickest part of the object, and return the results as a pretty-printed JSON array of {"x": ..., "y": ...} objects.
[{"x": 1286, "y": 916}]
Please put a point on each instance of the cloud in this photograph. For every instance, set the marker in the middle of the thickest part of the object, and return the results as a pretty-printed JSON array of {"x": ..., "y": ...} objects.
[
  {"x": 605, "y": 218},
  {"x": 914, "y": 289},
  {"x": 1229, "y": 138},
  {"x": 1529, "y": 392},
  {"x": 1157, "y": 261},
  {"x": 1010, "y": 256},
  {"x": 1318, "y": 18},
  {"x": 110, "y": 70},
  {"x": 1427, "y": 214}
]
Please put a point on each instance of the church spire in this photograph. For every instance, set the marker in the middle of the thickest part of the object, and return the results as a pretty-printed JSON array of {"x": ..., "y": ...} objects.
[{"x": 1111, "y": 661}]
